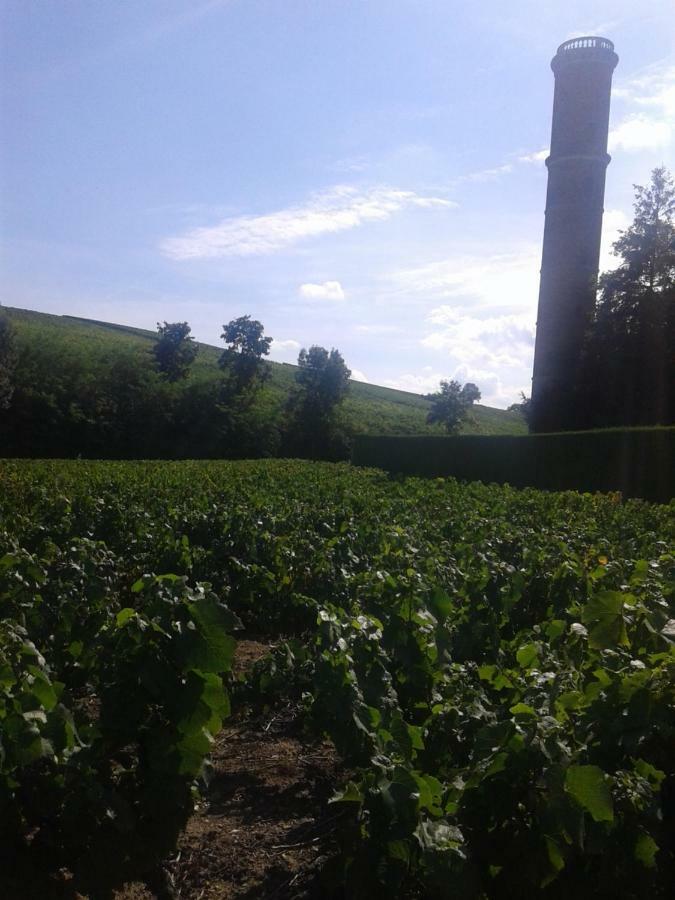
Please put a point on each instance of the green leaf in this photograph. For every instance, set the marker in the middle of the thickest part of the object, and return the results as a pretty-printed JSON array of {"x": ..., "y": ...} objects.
[
  {"x": 527, "y": 655},
  {"x": 555, "y": 856},
  {"x": 42, "y": 689},
  {"x": 210, "y": 647},
  {"x": 440, "y": 604},
  {"x": 604, "y": 615},
  {"x": 124, "y": 615},
  {"x": 646, "y": 849},
  {"x": 523, "y": 711},
  {"x": 588, "y": 786},
  {"x": 351, "y": 793}
]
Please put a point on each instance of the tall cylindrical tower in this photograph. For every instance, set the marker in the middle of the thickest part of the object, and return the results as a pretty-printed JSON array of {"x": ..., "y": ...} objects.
[{"x": 574, "y": 205}]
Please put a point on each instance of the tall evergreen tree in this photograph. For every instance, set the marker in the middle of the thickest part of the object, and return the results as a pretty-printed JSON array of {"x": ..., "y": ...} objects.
[{"x": 628, "y": 370}]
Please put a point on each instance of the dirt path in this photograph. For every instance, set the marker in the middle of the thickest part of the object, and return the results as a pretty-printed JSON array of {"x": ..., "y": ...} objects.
[{"x": 265, "y": 824}]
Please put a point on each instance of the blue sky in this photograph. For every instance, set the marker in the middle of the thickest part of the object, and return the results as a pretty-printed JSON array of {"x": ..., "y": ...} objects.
[{"x": 364, "y": 174}]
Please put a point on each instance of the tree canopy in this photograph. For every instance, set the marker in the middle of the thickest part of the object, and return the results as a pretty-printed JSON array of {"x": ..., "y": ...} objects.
[
  {"x": 242, "y": 358},
  {"x": 451, "y": 405},
  {"x": 175, "y": 350},
  {"x": 8, "y": 360},
  {"x": 322, "y": 382},
  {"x": 628, "y": 369}
]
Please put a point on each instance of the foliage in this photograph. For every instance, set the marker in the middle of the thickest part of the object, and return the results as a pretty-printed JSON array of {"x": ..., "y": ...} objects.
[
  {"x": 524, "y": 407},
  {"x": 7, "y": 361},
  {"x": 242, "y": 359},
  {"x": 70, "y": 399},
  {"x": 496, "y": 666},
  {"x": 451, "y": 405},
  {"x": 175, "y": 350},
  {"x": 628, "y": 371},
  {"x": 110, "y": 694},
  {"x": 322, "y": 382}
]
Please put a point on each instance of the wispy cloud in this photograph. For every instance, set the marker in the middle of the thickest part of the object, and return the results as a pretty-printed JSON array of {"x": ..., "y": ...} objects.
[
  {"x": 537, "y": 157},
  {"x": 596, "y": 28},
  {"x": 327, "y": 290},
  {"x": 488, "y": 351},
  {"x": 493, "y": 391},
  {"x": 613, "y": 222},
  {"x": 338, "y": 209},
  {"x": 505, "y": 279},
  {"x": 487, "y": 174},
  {"x": 484, "y": 326},
  {"x": 640, "y": 132},
  {"x": 650, "y": 122},
  {"x": 378, "y": 328},
  {"x": 285, "y": 351},
  {"x": 358, "y": 375},
  {"x": 416, "y": 383},
  {"x": 496, "y": 341}
]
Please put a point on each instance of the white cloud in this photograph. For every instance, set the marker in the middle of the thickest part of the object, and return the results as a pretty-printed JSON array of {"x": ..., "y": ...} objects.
[
  {"x": 328, "y": 290},
  {"x": 378, "y": 328},
  {"x": 504, "y": 342},
  {"x": 613, "y": 221},
  {"x": 285, "y": 351},
  {"x": 640, "y": 132},
  {"x": 285, "y": 345},
  {"x": 537, "y": 157},
  {"x": 650, "y": 96},
  {"x": 416, "y": 384},
  {"x": 599, "y": 28},
  {"x": 503, "y": 279},
  {"x": 487, "y": 174},
  {"x": 338, "y": 209},
  {"x": 358, "y": 375},
  {"x": 493, "y": 391}
]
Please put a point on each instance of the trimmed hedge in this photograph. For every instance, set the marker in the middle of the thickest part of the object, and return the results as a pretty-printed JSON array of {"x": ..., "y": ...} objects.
[{"x": 639, "y": 462}]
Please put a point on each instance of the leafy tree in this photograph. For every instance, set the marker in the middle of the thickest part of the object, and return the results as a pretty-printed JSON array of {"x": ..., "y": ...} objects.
[
  {"x": 8, "y": 361},
  {"x": 451, "y": 405},
  {"x": 524, "y": 407},
  {"x": 175, "y": 350},
  {"x": 628, "y": 370},
  {"x": 322, "y": 382},
  {"x": 242, "y": 359}
]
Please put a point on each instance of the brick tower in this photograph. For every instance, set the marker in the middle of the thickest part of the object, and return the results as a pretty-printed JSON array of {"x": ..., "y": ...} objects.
[{"x": 574, "y": 205}]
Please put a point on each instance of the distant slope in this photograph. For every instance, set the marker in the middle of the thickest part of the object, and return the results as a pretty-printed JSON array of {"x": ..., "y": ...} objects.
[{"x": 369, "y": 409}]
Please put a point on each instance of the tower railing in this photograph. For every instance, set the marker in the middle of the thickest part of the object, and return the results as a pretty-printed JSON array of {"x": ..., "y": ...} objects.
[{"x": 586, "y": 43}]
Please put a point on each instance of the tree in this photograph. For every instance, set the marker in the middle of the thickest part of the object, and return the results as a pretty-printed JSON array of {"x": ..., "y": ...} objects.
[
  {"x": 175, "y": 350},
  {"x": 451, "y": 405},
  {"x": 322, "y": 382},
  {"x": 628, "y": 367},
  {"x": 524, "y": 407},
  {"x": 242, "y": 359},
  {"x": 8, "y": 361}
]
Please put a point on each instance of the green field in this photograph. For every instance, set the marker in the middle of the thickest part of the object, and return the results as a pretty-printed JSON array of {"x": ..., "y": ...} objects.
[
  {"x": 495, "y": 668},
  {"x": 368, "y": 409}
]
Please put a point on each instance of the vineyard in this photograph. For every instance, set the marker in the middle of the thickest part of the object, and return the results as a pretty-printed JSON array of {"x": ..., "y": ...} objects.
[{"x": 493, "y": 667}]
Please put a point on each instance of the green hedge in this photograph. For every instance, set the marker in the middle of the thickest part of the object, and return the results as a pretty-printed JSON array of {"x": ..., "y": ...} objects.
[{"x": 639, "y": 462}]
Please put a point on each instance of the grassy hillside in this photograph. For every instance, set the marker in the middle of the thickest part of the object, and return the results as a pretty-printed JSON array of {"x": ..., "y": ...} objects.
[{"x": 369, "y": 409}]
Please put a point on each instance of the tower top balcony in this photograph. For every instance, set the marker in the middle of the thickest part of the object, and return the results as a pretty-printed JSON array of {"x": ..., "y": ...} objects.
[{"x": 585, "y": 49}]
